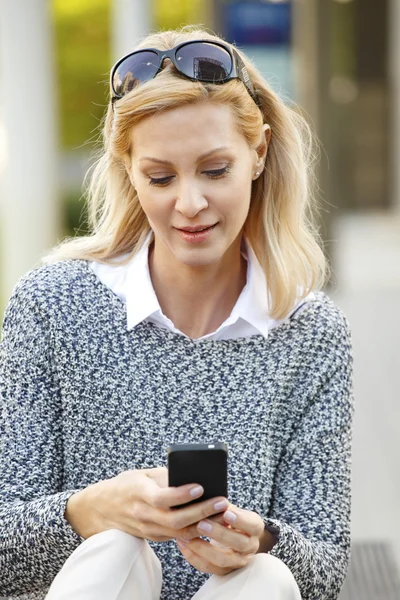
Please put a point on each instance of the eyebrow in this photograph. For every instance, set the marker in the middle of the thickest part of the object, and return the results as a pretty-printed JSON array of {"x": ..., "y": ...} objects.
[{"x": 202, "y": 157}]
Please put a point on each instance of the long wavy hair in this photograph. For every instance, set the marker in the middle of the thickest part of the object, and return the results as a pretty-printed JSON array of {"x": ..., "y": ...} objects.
[{"x": 281, "y": 223}]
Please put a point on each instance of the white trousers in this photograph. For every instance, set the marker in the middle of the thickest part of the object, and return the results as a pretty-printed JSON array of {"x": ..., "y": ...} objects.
[{"x": 114, "y": 565}]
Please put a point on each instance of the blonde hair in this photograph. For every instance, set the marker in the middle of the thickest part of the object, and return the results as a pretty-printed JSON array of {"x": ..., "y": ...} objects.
[{"x": 280, "y": 226}]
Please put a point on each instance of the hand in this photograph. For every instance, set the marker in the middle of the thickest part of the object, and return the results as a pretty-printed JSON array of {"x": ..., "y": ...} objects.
[
  {"x": 139, "y": 502},
  {"x": 233, "y": 542}
]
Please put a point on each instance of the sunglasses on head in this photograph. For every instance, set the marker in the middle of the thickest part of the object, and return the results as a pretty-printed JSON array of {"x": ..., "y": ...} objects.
[{"x": 200, "y": 60}]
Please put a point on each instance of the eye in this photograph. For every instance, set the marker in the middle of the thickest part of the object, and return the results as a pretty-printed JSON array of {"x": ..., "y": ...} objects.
[
  {"x": 160, "y": 180},
  {"x": 212, "y": 174},
  {"x": 217, "y": 173}
]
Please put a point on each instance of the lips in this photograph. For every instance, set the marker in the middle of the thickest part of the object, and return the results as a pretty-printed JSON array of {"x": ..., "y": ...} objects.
[{"x": 195, "y": 229}]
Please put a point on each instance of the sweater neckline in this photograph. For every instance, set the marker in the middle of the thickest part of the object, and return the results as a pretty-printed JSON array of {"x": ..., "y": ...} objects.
[{"x": 161, "y": 332}]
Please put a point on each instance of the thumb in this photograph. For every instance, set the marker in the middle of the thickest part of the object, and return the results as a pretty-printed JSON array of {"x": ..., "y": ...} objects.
[{"x": 219, "y": 518}]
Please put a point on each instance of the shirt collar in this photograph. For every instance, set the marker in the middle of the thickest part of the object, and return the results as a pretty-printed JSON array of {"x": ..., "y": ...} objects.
[{"x": 252, "y": 304}]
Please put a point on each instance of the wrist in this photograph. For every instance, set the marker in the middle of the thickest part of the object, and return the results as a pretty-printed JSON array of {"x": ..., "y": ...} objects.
[
  {"x": 267, "y": 542},
  {"x": 77, "y": 513},
  {"x": 270, "y": 535}
]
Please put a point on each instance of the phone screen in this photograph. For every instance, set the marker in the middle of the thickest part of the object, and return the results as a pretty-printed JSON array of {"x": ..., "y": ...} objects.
[{"x": 204, "y": 464}]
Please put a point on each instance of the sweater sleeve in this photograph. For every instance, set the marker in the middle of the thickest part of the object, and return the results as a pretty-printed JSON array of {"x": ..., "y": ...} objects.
[
  {"x": 35, "y": 538},
  {"x": 311, "y": 504}
]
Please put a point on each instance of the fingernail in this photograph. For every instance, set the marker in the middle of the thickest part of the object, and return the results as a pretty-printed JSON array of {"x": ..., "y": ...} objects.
[
  {"x": 221, "y": 505},
  {"x": 196, "y": 491},
  {"x": 230, "y": 516},
  {"x": 204, "y": 526}
]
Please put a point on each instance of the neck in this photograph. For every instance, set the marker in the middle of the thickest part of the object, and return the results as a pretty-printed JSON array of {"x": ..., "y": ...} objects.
[{"x": 197, "y": 299}]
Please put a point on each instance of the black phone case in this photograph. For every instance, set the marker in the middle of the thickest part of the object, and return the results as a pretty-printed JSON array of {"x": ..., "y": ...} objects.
[{"x": 205, "y": 464}]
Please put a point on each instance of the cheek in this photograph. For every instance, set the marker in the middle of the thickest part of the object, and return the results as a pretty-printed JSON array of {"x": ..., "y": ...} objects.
[
  {"x": 155, "y": 206},
  {"x": 241, "y": 178},
  {"x": 238, "y": 196}
]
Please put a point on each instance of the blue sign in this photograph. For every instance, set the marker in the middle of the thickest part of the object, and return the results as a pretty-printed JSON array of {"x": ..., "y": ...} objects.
[{"x": 257, "y": 23}]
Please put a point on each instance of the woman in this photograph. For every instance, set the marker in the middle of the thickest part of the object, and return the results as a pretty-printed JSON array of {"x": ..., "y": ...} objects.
[{"x": 192, "y": 313}]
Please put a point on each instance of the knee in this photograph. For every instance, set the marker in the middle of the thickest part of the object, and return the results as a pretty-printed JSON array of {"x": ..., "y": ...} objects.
[
  {"x": 115, "y": 537},
  {"x": 273, "y": 569}
]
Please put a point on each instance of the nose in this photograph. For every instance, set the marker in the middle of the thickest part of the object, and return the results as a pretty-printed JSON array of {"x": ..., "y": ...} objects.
[{"x": 190, "y": 200}]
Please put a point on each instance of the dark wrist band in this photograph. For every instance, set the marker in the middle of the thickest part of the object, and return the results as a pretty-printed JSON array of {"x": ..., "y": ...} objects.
[{"x": 273, "y": 530}]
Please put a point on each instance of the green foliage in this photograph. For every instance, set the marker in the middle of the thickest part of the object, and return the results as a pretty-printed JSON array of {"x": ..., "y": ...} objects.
[
  {"x": 82, "y": 32},
  {"x": 75, "y": 215},
  {"x": 343, "y": 39}
]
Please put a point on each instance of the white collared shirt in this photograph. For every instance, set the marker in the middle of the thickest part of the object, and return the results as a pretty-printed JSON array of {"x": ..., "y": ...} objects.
[{"x": 249, "y": 316}]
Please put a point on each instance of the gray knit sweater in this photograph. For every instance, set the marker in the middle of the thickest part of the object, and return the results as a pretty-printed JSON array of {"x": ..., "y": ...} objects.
[{"x": 83, "y": 399}]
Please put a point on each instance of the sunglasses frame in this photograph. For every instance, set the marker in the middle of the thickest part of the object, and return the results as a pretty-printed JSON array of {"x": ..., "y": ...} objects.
[{"x": 238, "y": 70}]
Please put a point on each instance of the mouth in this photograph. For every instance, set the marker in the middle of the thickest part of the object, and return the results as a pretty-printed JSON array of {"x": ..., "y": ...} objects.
[
  {"x": 196, "y": 234},
  {"x": 196, "y": 229}
]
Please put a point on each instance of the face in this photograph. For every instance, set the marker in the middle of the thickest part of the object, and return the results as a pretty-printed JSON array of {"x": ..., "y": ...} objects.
[{"x": 192, "y": 167}]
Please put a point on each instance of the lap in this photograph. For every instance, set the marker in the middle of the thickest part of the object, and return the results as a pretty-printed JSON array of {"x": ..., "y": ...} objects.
[
  {"x": 114, "y": 565},
  {"x": 265, "y": 577}
]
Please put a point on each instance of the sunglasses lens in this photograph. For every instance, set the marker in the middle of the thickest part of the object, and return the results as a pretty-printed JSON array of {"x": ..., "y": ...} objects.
[
  {"x": 205, "y": 62},
  {"x": 135, "y": 69}
]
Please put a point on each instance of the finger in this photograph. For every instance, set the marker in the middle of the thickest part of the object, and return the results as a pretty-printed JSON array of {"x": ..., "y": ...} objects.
[
  {"x": 191, "y": 532},
  {"x": 228, "y": 537},
  {"x": 199, "y": 563},
  {"x": 165, "y": 498},
  {"x": 244, "y": 520},
  {"x": 170, "y": 522},
  {"x": 219, "y": 518},
  {"x": 217, "y": 560},
  {"x": 183, "y": 518}
]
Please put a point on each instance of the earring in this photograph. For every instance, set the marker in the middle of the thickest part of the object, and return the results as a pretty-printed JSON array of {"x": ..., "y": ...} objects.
[{"x": 257, "y": 173}]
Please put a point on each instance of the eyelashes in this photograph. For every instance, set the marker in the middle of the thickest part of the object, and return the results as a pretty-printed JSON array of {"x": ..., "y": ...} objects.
[
  {"x": 217, "y": 173},
  {"x": 160, "y": 181},
  {"x": 212, "y": 174}
]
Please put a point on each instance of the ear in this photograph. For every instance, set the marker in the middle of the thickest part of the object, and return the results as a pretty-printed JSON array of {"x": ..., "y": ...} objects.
[
  {"x": 265, "y": 141},
  {"x": 267, "y": 132},
  {"x": 262, "y": 148}
]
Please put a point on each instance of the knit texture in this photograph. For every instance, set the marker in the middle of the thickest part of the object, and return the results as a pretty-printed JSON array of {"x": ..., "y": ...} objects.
[{"x": 83, "y": 399}]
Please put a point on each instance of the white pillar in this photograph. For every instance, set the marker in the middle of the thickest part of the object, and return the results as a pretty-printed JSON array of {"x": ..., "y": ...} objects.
[
  {"x": 394, "y": 74},
  {"x": 311, "y": 51},
  {"x": 131, "y": 21},
  {"x": 305, "y": 58},
  {"x": 29, "y": 206}
]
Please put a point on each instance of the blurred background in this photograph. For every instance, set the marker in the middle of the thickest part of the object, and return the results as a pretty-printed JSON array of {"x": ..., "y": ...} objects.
[{"x": 339, "y": 60}]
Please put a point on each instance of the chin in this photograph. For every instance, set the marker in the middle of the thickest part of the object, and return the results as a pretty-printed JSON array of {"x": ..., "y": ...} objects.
[{"x": 196, "y": 257}]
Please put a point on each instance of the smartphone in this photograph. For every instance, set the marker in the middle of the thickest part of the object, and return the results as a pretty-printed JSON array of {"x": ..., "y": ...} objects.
[{"x": 205, "y": 464}]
